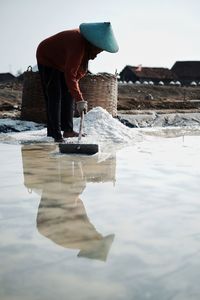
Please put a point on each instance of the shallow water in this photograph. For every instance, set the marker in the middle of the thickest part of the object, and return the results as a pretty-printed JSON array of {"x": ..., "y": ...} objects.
[{"x": 124, "y": 226}]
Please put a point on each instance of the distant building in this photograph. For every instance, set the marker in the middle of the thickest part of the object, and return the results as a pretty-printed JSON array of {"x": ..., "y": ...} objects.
[
  {"x": 187, "y": 71},
  {"x": 146, "y": 74},
  {"x": 6, "y": 77}
]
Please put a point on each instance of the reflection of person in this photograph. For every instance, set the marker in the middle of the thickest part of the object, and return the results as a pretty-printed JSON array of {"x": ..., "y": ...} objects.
[
  {"x": 62, "y": 61},
  {"x": 68, "y": 225},
  {"x": 61, "y": 213}
]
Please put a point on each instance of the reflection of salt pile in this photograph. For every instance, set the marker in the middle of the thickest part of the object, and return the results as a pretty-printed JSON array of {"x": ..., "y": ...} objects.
[{"x": 100, "y": 125}]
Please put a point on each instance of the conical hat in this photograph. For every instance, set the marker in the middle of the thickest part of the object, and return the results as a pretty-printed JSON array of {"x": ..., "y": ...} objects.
[{"x": 100, "y": 35}]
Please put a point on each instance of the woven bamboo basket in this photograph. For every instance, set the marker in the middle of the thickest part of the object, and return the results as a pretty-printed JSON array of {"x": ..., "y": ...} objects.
[
  {"x": 33, "y": 102},
  {"x": 100, "y": 90}
]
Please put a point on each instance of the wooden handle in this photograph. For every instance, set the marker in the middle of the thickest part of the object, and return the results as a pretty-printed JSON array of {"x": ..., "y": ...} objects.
[{"x": 81, "y": 127}]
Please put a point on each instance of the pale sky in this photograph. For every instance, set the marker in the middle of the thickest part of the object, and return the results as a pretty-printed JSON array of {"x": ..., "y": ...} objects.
[{"x": 154, "y": 33}]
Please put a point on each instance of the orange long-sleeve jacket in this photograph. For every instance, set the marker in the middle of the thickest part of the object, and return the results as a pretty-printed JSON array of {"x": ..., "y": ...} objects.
[{"x": 67, "y": 52}]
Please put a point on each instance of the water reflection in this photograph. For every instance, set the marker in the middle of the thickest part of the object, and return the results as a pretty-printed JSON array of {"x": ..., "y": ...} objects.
[
  {"x": 60, "y": 180},
  {"x": 173, "y": 132}
]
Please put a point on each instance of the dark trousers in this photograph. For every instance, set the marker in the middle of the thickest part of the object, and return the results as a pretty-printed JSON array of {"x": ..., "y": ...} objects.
[{"x": 59, "y": 102}]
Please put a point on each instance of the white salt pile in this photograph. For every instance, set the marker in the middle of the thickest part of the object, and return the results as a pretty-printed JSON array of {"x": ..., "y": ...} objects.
[{"x": 99, "y": 126}]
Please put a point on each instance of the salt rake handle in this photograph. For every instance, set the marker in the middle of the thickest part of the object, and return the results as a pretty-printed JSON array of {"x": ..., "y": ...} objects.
[{"x": 81, "y": 126}]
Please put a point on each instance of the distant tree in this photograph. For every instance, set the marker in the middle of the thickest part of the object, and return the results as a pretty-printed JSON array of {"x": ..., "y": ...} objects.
[{"x": 19, "y": 72}]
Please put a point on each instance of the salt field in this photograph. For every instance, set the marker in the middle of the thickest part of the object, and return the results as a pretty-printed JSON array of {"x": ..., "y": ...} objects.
[{"x": 122, "y": 224}]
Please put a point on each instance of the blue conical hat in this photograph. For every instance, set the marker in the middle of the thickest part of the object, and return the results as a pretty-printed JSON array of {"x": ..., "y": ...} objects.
[{"x": 101, "y": 35}]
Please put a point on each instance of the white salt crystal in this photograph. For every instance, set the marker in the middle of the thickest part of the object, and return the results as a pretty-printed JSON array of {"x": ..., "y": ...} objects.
[
  {"x": 101, "y": 128},
  {"x": 101, "y": 125}
]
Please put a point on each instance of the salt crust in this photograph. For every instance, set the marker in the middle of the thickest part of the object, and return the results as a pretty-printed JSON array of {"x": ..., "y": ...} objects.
[{"x": 99, "y": 126}]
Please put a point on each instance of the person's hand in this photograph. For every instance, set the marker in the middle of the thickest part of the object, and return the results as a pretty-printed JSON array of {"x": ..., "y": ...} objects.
[{"x": 82, "y": 106}]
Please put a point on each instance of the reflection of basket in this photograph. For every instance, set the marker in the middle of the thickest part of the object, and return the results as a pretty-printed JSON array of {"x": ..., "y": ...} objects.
[
  {"x": 33, "y": 103},
  {"x": 104, "y": 171},
  {"x": 100, "y": 90}
]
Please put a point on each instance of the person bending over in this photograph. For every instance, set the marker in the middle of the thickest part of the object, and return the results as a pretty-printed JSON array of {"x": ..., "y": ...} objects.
[{"x": 62, "y": 61}]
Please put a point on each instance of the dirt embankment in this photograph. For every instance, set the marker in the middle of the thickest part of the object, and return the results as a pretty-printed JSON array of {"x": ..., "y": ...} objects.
[
  {"x": 142, "y": 97},
  {"x": 130, "y": 97},
  {"x": 10, "y": 101}
]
